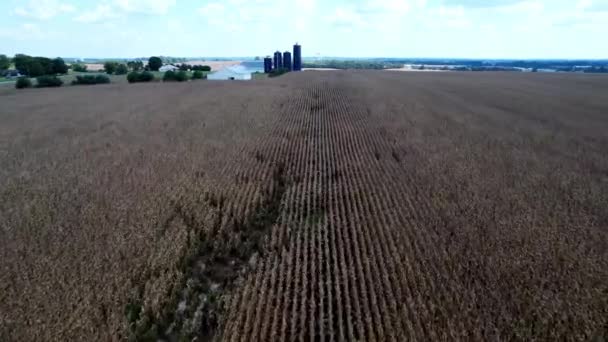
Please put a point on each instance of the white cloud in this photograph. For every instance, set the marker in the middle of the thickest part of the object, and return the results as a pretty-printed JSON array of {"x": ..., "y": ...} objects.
[
  {"x": 346, "y": 17},
  {"x": 100, "y": 13},
  {"x": 593, "y": 5},
  {"x": 121, "y": 8},
  {"x": 240, "y": 15},
  {"x": 523, "y": 7},
  {"x": 43, "y": 9},
  {"x": 380, "y": 16},
  {"x": 144, "y": 6},
  {"x": 26, "y": 32},
  {"x": 454, "y": 17},
  {"x": 212, "y": 9}
]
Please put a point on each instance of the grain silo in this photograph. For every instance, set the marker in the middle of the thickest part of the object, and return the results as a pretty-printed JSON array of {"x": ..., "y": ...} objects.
[
  {"x": 287, "y": 61},
  {"x": 297, "y": 57},
  {"x": 278, "y": 60},
  {"x": 267, "y": 65}
]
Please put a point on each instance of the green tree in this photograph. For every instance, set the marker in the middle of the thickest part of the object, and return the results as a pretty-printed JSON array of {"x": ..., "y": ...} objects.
[
  {"x": 154, "y": 63},
  {"x": 121, "y": 69},
  {"x": 5, "y": 62},
  {"x": 35, "y": 69},
  {"x": 59, "y": 66},
  {"x": 110, "y": 67},
  {"x": 21, "y": 63},
  {"x": 47, "y": 66},
  {"x": 35, "y": 66},
  {"x": 79, "y": 67},
  {"x": 135, "y": 65}
]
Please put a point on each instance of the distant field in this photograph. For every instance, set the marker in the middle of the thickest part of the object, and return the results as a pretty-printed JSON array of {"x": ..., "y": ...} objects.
[
  {"x": 94, "y": 67},
  {"x": 215, "y": 65},
  {"x": 344, "y": 206}
]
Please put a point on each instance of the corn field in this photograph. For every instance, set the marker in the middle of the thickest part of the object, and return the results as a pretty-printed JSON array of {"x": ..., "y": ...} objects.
[{"x": 318, "y": 206}]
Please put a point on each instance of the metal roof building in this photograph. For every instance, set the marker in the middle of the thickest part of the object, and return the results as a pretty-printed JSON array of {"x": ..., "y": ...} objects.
[{"x": 236, "y": 72}]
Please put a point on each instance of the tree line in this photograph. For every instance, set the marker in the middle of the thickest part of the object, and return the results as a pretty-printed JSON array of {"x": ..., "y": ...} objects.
[{"x": 34, "y": 66}]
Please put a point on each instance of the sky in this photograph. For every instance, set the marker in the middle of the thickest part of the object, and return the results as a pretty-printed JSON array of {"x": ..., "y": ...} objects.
[{"x": 357, "y": 28}]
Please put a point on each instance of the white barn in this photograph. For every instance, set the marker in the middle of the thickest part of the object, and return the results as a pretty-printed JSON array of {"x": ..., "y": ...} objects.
[{"x": 168, "y": 67}]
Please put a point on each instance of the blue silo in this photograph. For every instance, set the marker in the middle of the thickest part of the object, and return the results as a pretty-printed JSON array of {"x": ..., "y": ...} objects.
[
  {"x": 267, "y": 65},
  {"x": 297, "y": 57},
  {"x": 278, "y": 60},
  {"x": 287, "y": 61}
]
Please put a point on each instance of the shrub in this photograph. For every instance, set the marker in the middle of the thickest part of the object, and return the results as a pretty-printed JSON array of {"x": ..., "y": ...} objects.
[
  {"x": 91, "y": 79},
  {"x": 146, "y": 76},
  {"x": 135, "y": 77},
  {"x": 179, "y": 76},
  {"x": 278, "y": 72},
  {"x": 102, "y": 79},
  {"x": 121, "y": 69},
  {"x": 198, "y": 75},
  {"x": 169, "y": 76},
  {"x": 23, "y": 82},
  {"x": 48, "y": 81}
]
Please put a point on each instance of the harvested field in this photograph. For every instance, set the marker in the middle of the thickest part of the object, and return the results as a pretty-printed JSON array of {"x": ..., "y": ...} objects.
[
  {"x": 94, "y": 66},
  {"x": 215, "y": 65},
  {"x": 348, "y": 205}
]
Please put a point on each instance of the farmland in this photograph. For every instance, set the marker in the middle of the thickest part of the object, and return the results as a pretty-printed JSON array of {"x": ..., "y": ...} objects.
[{"x": 344, "y": 205}]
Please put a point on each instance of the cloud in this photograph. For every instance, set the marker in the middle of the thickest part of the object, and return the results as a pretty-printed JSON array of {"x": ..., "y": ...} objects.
[
  {"x": 264, "y": 15},
  {"x": 346, "y": 18},
  {"x": 121, "y": 8},
  {"x": 377, "y": 15},
  {"x": 26, "y": 32},
  {"x": 454, "y": 17},
  {"x": 144, "y": 6},
  {"x": 480, "y": 3},
  {"x": 529, "y": 6},
  {"x": 43, "y": 9},
  {"x": 593, "y": 5},
  {"x": 100, "y": 13}
]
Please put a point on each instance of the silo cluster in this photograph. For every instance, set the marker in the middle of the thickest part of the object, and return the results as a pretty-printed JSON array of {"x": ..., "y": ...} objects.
[{"x": 284, "y": 61}]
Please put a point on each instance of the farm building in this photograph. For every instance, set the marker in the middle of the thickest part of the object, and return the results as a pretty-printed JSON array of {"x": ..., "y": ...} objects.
[
  {"x": 168, "y": 67},
  {"x": 237, "y": 72},
  {"x": 11, "y": 73}
]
